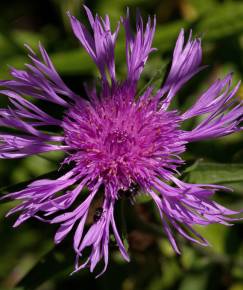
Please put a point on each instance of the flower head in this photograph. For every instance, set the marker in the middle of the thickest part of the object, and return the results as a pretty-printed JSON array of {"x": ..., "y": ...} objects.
[{"x": 115, "y": 141}]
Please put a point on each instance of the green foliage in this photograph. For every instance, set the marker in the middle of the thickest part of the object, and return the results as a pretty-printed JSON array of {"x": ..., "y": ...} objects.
[
  {"x": 222, "y": 21},
  {"x": 216, "y": 173},
  {"x": 29, "y": 258}
]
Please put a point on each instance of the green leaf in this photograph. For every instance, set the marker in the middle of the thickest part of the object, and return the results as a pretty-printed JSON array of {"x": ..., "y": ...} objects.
[
  {"x": 24, "y": 36},
  {"x": 223, "y": 21},
  {"x": 20, "y": 185},
  {"x": 194, "y": 281},
  {"x": 217, "y": 241},
  {"x": 193, "y": 166},
  {"x": 53, "y": 263},
  {"x": 202, "y": 6},
  {"x": 72, "y": 61},
  {"x": 166, "y": 35},
  {"x": 220, "y": 173}
]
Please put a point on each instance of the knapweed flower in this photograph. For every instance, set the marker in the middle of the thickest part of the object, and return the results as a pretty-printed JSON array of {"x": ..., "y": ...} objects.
[{"x": 115, "y": 141}]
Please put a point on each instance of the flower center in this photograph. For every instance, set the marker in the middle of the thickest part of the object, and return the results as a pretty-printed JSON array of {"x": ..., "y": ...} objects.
[
  {"x": 118, "y": 142},
  {"x": 124, "y": 143},
  {"x": 117, "y": 136}
]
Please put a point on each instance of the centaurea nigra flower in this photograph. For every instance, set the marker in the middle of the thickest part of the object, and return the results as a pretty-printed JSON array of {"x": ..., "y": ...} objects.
[{"x": 114, "y": 140}]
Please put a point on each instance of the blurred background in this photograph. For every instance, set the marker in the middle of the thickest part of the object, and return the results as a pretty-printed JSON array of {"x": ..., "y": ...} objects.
[{"x": 29, "y": 260}]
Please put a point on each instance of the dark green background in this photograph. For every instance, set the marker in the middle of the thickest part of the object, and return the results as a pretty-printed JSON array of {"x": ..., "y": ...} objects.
[{"x": 28, "y": 258}]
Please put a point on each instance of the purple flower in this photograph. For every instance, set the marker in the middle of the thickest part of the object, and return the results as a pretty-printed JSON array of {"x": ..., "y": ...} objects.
[{"x": 115, "y": 142}]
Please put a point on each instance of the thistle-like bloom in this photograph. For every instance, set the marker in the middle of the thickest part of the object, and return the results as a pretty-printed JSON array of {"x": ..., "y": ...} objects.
[{"x": 115, "y": 140}]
